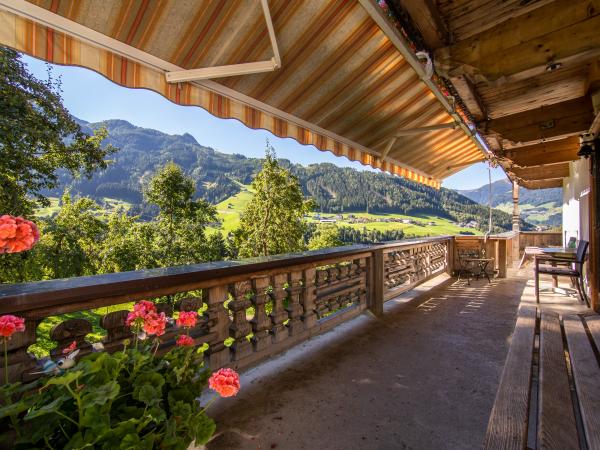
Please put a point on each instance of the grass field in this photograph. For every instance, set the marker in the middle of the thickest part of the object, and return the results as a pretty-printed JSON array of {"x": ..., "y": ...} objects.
[
  {"x": 108, "y": 206},
  {"x": 534, "y": 214},
  {"x": 229, "y": 212},
  {"x": 442, "y": 226}
]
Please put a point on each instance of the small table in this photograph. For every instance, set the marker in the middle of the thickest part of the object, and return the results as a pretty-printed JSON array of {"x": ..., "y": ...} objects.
[
  {"x": 566, "y": 253},
  {"x": 479, "y": 264}
]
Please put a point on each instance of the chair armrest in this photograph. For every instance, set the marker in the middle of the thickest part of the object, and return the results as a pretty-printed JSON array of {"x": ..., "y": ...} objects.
[{"x": 547, "y": 258}]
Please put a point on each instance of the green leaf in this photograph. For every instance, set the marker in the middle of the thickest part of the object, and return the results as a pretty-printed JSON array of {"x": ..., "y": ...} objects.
[
  {"x": 157, "y": 414},
  {"x": 96, "y": 419},
  {"x": 65, "y": 379},
  {"x": 50, "y": 408},
  {"x": 148, "y": 395},
  {"x": 100, "y": 395},
  {"x": 13, "y": 409},
  {"x": 131, "y": 441},
  {"x": 203, "y": 427}
]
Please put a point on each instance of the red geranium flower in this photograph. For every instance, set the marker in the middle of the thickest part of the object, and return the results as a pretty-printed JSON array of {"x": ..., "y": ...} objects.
[
  {"x": 155, "y": 323},
  {"x": 10, "y": 324},
  {"x": 185, "y": 341},
  {"x": 139, "y": 313},
  {"x": 226, "y": 382},
  {"x": 187, "y": 319},
  {"x": 17, "y": 234}
]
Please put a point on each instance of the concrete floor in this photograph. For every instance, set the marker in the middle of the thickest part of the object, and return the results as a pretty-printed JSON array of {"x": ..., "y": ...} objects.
[{"x": 424, "y": 376}]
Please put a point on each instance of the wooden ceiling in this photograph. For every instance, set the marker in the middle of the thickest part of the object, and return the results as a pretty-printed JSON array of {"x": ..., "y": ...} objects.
[{"x": 527, "y": 70}]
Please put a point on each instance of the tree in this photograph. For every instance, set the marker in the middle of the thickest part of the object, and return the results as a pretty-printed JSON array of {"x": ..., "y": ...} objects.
[
  {"x": 38, "y": 137},
  {"x": 325, "y": 236},
  {"x": 178, "y": 234},
  {"x": 272, "y": 221},
  {"x": 123, "y": 246},
  {"x": 70, "y": 241}
]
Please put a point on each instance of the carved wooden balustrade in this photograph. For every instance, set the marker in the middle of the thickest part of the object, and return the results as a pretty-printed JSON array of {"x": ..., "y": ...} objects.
[
  {"x": 409, "y": 265},
  {"x": 248, "y": 310}
]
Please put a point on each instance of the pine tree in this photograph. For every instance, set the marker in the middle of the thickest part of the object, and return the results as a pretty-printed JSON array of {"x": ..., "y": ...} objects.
[{"x": 272, "y": 222}]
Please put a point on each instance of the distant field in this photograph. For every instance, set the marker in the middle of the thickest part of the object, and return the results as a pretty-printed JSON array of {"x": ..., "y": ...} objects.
[
  {"x": 229, "y": 212},
  {"x": 108, "y": 204},
  {"x": 534, "y": 214},
  {"x": 441, "y": 226}
]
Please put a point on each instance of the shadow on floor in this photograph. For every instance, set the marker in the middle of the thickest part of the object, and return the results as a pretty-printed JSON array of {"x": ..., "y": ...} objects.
[{"x": 423, "y": 376}]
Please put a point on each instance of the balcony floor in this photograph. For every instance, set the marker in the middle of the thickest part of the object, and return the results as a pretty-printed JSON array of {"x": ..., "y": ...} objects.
[{"x": 424, "y": 376}]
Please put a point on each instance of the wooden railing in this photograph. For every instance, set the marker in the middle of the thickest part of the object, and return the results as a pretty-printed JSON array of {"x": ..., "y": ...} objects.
[
  {"x": 249, "y": 309},
  {"x": 503, "y": 248},
  {"x": 540, "y": 239}
]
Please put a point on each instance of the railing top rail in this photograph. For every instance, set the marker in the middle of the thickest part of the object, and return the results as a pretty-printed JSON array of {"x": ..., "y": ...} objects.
[
  {"x": 414, "y": 241},
  {"x": 506, "y": 235},
  {"x": 70, "y": 293},
  {"x": 541, "y": 232},
  {"x": 40, "y": 294}
]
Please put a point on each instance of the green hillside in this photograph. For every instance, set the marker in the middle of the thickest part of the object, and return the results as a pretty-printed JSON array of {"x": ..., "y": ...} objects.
[
  {"x": 230, "y": 209},
  {"x": 537, "y": 206},
  {"x": 223, "y": 179}
]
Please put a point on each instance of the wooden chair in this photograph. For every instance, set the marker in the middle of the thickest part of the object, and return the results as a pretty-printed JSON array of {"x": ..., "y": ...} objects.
[
  {"x": 568, "y": 268},
  {"x": 471, "y": 262}
]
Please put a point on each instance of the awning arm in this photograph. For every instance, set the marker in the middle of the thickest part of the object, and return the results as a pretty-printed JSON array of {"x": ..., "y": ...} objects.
[{"x": 232, "y": 70}]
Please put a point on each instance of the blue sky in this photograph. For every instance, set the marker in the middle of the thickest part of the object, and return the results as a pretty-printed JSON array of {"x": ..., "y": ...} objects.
[{"x": 92, "y": 97}]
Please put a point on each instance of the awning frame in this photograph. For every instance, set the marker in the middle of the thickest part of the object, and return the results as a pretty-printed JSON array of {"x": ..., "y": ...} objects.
[
  {"x": 85, "y": 35},
  {"x": 232, "y": 70}
]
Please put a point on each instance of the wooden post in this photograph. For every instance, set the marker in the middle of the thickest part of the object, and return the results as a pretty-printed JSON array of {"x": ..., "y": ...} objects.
[
  {"x": 450, "y": 256},
  {"x": 261, "y": 322},
  {"x": 594, "y": 256},
  {"x": 502, "y": 258},
  {"x": 378, "y": 279},
  {"x": 218, "y": 317},
  {"x": 309, "y": 317},
  {"x": 515, "y": 216}
]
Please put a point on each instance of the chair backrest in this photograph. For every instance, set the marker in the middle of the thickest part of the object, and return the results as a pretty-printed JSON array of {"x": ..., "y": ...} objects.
[
  {"x": 468, "y": 248},
  {"x": 581, "y": 250}
]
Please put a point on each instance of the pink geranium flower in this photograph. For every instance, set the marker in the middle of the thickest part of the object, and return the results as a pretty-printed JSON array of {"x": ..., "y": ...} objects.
[
  {"x": 70, "y": 348},
  {"x": 226, "y": 382},
  {"x": 155, "y": 323},
  {"x": 184, "y": 341},
  {"x": 17, "y": 234},
  {"x": 187, "y": 319},
  {"x": 140, "y": 311},
  {"x": 10, "y": 324}
]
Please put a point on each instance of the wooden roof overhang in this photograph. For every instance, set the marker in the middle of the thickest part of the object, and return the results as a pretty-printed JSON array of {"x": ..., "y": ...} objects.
[
  {"x": 340, "y": 75},
  {"x": 528, "y": 72}
]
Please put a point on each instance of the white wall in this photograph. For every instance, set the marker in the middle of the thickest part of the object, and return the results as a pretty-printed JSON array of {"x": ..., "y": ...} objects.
[{"x": 576, "y": 190}]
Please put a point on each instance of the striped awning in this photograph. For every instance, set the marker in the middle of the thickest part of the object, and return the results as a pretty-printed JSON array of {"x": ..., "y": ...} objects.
[{"x": 349, "y": 82}]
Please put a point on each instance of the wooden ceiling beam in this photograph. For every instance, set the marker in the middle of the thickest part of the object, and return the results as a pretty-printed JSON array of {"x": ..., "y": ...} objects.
[
  {"x": 525, "y": 42},
  {"x": 470, "y": 97},
  {"x": 543, "y": 172},
  {"x": 542, "y": 184},
  {"x": 550, "y": 152},
  {"x": 561, "y": 119},
  {"x": 468, "y": 18},
  {"x": 428, "y": 21}
]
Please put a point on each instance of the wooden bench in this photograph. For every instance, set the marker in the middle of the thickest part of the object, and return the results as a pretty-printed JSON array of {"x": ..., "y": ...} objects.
[{"x": 549, "y": 393}]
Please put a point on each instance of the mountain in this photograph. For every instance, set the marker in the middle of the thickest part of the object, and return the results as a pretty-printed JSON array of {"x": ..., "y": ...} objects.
[
  {"x": 218, "y": 176},
  {"x": 538, "y": 206}
]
